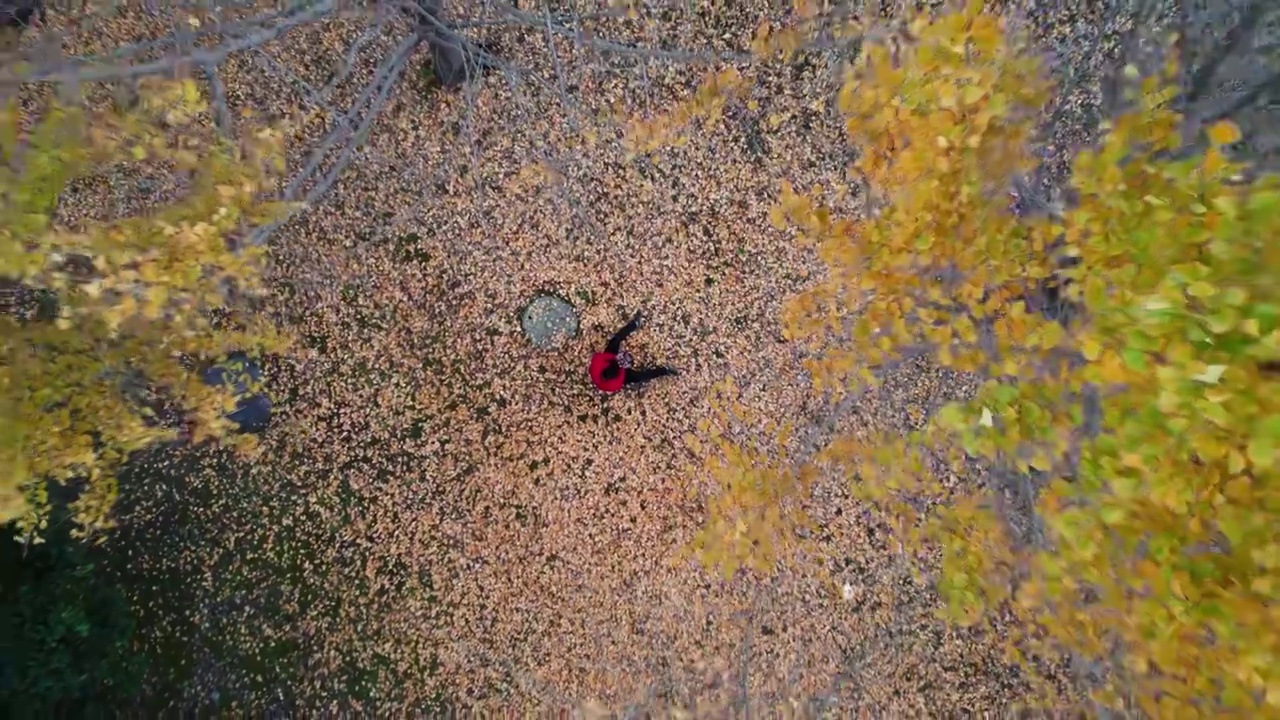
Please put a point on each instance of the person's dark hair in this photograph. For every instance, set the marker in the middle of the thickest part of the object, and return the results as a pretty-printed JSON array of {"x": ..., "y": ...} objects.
[
  {"x": 611, "y": 371},
  {"x": 18, "y": 13}
]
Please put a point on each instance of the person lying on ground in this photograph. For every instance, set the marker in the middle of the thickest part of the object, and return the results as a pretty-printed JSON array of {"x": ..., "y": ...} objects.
[{"x": 613, "y": 369}]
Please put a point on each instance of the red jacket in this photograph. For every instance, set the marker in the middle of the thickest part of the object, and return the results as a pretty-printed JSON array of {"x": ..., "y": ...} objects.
[{"x": 599, "y": 362}]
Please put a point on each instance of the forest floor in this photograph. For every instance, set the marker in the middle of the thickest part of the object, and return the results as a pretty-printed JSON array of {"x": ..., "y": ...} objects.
[{"x": 443, "y": 511}]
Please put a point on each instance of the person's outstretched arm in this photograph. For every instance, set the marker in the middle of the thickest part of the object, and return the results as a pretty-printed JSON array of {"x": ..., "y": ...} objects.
[
  {"x": 643, "y": 375},
  {"x": 615, "y": 342}
]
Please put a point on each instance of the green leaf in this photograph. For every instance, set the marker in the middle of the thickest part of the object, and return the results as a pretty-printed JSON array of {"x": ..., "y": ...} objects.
[
  {"x": 1262, "y": 449},
  {"x": 951, "y": 416},
  {"x": 1112, "y": 514},
  {"x": 1134, "y": 359}
]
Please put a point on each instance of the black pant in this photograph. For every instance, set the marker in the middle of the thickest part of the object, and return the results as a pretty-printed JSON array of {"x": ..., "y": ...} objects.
[{"x": 633, "y": 376}]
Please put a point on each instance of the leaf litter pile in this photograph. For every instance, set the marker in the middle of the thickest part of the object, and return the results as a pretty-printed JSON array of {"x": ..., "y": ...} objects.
[{"x": 442, "y": 513}]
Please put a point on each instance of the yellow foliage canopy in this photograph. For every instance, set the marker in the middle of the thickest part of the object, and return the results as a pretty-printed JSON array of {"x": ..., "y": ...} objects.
[
  {"x": 132, "y": 294},
  {"x": 1161, "y": 553}
]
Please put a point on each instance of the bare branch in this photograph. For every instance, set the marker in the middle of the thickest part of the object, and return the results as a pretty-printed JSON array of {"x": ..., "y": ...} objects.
[
  {"x": 349, "y": 61},
  {"x": 184, "y": 40},
  {"x": 607, "y": 14},
  {"x": 1239, "y": 34},
  {"x": 453, "y": 57},
  {"x": 218, "y": 101},
  {"x": 1256, "y": 92},
  {"x": 78, "y": 72},
  {"x": 555, "y": 63},
  {"x": 131, "y": 50},
  {"x": 680, "y": 56},
  {"x": 384, "y": 81},
  {"x": 345, "y": 123},
  {"x": 270, "y": 64}
]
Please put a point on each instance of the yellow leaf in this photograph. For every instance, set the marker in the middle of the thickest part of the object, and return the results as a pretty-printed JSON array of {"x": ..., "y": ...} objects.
[
  {"x": 1223, "y": 132},
  {"x": 1273, "y": 694},
  {"x": 1235, "y": 461},
  {"x": 1201, "y": 289},
  {"x": 1091, "y": 349},
  {"x": 1051, "y": 336},
  {"x": 777, "y": 218},
  {"x": 190, "y": 92},
  {"x": 1262, "y": 453}
]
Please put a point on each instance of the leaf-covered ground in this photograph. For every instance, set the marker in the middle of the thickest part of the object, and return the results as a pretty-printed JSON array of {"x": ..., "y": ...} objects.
[{"x": 442, "y": 511}]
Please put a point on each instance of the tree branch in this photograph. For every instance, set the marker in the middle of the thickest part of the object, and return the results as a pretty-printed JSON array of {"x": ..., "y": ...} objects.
[
  {"x": 345, "y": 123},
  {"x": 349, "y": 61},
  {"x": 1245, "y": 99},
  {"x": 184, "y": 41},
  {"x": 681, "y": 56},
  {"x": 130, "y": 50},
  {"x": 453, "y": 57},
  {"x": 384, "y": 81},
  {"x": 218, "y": 101},
  {"x": 80, "y": 72},
  {"x": 1239, "y": 34},
  {"x": 555, "y": 63}
]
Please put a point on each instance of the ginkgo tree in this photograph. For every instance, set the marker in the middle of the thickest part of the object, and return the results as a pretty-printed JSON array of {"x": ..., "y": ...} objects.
[
  {"x": 1149, "y": 416},
  {"x": 81, "y": 388}
]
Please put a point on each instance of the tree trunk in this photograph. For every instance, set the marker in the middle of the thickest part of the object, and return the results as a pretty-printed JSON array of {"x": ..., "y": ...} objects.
[{"x": 454, "y": 59}]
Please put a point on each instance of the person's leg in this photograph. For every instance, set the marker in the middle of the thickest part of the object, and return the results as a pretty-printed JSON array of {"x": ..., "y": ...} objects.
[
  {"x": 615, "y": 342},
  {"x": 640, "y": 376}
]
